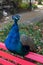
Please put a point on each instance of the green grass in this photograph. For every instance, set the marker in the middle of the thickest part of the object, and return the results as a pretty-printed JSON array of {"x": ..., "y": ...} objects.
[{"x": 27, "y": 6}]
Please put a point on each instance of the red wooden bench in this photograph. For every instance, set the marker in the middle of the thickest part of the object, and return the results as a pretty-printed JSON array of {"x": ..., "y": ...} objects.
[{"x": 31, "y": 55}]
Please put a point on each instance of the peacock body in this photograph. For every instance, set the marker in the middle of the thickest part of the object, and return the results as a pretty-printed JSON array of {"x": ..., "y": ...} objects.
[{"x": 12, "y": 41}]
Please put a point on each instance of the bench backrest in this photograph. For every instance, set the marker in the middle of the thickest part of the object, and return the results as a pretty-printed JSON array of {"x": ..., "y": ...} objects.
[
  {"x": 31, "y": 55},
  {"x": 15, "y": 59}
]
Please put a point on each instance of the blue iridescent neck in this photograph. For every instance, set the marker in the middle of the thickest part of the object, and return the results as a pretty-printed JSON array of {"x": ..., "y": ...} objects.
[{"x": 15, "y": 21}]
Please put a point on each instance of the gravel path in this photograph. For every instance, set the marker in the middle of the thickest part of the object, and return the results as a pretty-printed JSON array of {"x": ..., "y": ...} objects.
[
  {"x": 28, "y": 17},
  {"x": 33, "y": 16}
]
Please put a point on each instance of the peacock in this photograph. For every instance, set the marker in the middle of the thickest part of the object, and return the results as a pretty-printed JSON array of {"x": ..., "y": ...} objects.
[{"x": 13, "y": 42}]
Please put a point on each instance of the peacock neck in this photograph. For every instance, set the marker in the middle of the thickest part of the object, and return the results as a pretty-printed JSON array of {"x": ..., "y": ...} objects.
[{"x": 15, "y": 21}]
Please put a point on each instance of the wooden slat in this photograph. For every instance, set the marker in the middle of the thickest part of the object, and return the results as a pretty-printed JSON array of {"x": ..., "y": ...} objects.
[
  {"x": 4, "y": 62},
  {"x": 34, "y": 56},
  {"x": 15, "y": 59}
]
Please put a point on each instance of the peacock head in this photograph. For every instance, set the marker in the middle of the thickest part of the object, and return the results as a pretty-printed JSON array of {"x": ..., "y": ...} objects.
[{"x": 16, "y": 18}]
